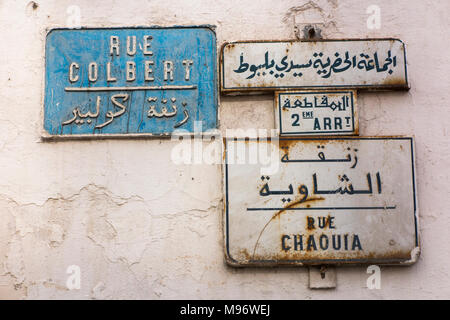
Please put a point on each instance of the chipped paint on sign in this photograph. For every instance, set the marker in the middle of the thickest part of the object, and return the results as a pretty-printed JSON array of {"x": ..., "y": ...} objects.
[
  {"x": 279, "y": 65},
  {"x": 330, "y": 201},
  {"x": 316, "y": 113},
  {"x": 129, "y": 81}
]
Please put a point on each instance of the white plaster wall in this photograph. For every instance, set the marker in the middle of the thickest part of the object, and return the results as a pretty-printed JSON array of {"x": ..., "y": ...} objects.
[{"x": 140, "y": 226}]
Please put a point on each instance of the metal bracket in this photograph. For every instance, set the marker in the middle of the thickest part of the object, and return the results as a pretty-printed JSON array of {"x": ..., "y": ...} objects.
[
  {"x": 308, "y": 31},
  {"x": 322, "y": 277}
]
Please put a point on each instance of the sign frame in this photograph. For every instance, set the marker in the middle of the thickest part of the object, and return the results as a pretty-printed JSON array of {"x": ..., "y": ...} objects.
[
  {"x": 354, "y": 113},
  {"x": 257, "y": 90},
  {"x": 46, "y": 136},
  {"x": 415, "y": 252}
]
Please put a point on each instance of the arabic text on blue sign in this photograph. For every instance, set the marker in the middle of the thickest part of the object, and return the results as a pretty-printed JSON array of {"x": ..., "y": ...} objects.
[{"x": 130, "y": 81}]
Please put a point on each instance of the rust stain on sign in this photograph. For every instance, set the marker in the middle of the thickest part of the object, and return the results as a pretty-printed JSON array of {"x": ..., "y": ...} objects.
[
  {"x": 346, "y": 200},
  {"x": 368, "y": 64}
]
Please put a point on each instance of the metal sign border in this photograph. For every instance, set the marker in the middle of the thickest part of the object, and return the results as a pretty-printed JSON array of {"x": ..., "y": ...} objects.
[
  {"x": 355, "y": 120},
  {"x": 252, "y": 90},
  {"x": 415, "y": 253},
  {"x": 45, "y": 136}
]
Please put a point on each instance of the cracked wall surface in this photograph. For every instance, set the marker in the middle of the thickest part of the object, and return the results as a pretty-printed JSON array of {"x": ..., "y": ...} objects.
[{"x": 140, "y": 226}]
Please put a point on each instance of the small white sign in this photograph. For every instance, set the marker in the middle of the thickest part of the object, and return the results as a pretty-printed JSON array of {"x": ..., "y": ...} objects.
[
  {"x": 316, "y": 113},
  {"x": 331, "y": 201},
  {"x": 375, "y": 64}
]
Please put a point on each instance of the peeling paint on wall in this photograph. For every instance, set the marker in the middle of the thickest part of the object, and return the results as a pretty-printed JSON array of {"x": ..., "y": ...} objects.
[{"x": 140, "y": 226}]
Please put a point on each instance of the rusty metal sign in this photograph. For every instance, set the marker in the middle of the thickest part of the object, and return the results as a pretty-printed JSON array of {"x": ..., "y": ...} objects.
[
  {"x": 129, "y": 81},
  {"x": 320, "y": 201},
  {"x": 316, "y": 113},
  {"x": 375, "y": 64}
]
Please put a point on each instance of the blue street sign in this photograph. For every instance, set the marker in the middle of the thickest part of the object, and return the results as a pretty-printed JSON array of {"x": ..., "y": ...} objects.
[{"x": 121, "y": 81}]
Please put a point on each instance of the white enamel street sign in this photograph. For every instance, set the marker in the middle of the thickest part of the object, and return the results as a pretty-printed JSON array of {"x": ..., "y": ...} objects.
[
  {"x": 375, "y": 64},
  {"x": 316, "y": 113},
  {"x": 326, "y": 201}
]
